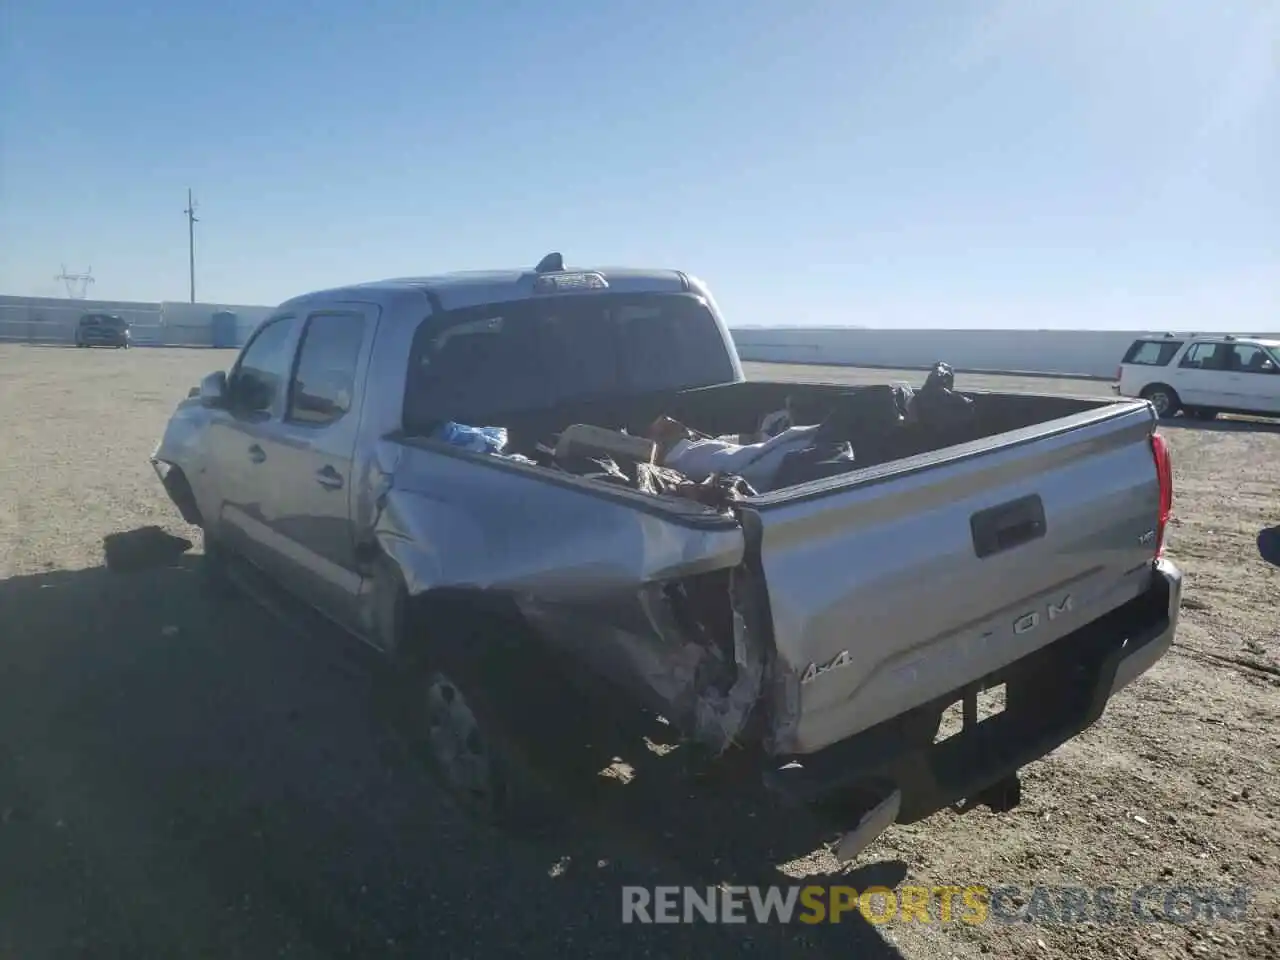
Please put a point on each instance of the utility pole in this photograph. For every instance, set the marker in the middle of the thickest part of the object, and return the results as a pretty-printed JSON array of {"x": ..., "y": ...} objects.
[{"x": 191, "y": 240}]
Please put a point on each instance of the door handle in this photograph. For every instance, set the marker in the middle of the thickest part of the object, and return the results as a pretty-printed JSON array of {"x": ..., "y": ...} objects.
[
  {"x": 1008, "y": 525},
  {"x": 257, "y": 454},
  {"x": 329, "y": 478}
]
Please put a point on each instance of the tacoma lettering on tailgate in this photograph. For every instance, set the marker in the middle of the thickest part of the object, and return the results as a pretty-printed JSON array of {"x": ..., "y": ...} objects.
[{"x": 1029, "y": 621}]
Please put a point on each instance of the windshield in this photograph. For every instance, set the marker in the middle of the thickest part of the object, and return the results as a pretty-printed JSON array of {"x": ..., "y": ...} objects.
[{"x": 475, "y": 364}]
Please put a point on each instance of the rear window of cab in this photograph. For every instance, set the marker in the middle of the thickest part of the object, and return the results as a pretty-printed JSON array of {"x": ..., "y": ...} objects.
[{"x": 1152, "y": 353}]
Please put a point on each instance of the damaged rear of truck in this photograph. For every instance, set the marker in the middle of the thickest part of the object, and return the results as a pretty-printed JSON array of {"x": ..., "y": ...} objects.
[
  {"x": 821, "y": 629},
  {"x": 827, "y": 627}
]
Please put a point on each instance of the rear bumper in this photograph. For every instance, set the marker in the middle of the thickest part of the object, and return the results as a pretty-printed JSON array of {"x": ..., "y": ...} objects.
[
  {"x": 1138, "y": 657},
  {"x": 101, "y": 341},
  {"x": 1051, "y": 696}
]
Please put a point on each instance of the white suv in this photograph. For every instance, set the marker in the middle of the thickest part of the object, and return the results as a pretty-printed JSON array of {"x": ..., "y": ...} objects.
[{"x": 1203, "y": 375}]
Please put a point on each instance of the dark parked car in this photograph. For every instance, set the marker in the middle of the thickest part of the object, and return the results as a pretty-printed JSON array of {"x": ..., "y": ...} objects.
[{"x": 102, "y": 330}]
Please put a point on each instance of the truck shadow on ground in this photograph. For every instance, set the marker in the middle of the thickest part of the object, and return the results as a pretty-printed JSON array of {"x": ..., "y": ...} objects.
[
  {"x": 143, "y": 549},
  {"x": 1269, "y": 545},
  {"x": 713, "y": 822},
  {"x": 195, "y": 778}
]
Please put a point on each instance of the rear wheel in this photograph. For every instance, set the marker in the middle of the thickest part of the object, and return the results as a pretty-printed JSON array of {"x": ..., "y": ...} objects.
[
  {"x": 465, "y": 758},
  {"x": 452, "y": 690},
  {"x": 460, "y": 734},
  {"x": 1163, "y": 398}
]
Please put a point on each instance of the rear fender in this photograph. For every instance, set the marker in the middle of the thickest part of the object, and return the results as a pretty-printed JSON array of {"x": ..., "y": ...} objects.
[{"x": 666, "y": 611}]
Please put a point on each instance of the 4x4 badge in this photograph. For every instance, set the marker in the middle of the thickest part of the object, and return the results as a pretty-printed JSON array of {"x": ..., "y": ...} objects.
[{"x": 815, "y": 670}]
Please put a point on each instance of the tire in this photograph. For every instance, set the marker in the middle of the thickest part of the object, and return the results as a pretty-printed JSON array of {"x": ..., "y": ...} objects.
[
  {"x": 1164, "y": 398},
  {"x": 451, "y": 712},
  {"x": 484, "y": 772}
]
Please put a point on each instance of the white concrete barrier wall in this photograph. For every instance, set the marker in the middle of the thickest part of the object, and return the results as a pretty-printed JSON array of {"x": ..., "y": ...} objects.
[
  {"x": 200, "y": 316},
  {"x": 1088, "y": 353},
  {"x": 51, "y": 320}
]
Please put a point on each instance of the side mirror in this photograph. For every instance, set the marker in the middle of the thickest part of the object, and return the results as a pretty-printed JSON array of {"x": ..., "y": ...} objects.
[{"x": 213, "y": 389}]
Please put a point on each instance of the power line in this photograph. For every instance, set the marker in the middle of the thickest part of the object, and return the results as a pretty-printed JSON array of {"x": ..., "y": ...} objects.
[
  {"x": 77, "y": 283},
  {"x": 192, "y": 220}
]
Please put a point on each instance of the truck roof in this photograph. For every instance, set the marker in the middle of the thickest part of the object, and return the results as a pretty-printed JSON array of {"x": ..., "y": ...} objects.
[{"x": 473, "y": 287}]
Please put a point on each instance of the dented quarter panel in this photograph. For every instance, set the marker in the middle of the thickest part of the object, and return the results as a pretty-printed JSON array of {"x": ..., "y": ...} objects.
[
  {"x": 707, "y": 690},
  {"x": 454, "y": 520}
]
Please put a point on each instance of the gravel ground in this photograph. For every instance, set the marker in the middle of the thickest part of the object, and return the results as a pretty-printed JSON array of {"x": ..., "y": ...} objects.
[{"x": 183, "y": 778}]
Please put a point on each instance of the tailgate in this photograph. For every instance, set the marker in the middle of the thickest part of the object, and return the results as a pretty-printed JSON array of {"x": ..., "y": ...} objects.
[{"x": 891, "y": 586}]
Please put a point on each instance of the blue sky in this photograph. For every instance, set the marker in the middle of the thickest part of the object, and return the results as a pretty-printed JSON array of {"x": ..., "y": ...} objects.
[{"x": 1003, "y": 163}]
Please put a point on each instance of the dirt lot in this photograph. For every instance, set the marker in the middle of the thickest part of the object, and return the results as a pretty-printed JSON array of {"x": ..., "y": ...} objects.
[{"x": 180, "y": 777}]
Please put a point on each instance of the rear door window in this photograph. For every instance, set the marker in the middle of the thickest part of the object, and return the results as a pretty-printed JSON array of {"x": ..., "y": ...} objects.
[
  {"x": 325, "y": 375},
  {"x": 1152, "y": 353},
  {"x": 1205, "y": 356}
]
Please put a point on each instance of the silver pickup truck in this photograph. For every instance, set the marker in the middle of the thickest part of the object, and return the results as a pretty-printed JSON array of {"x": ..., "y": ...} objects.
[{"x": 819, "y": 629}]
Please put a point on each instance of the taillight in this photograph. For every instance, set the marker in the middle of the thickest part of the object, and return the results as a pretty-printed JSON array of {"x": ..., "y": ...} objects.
[
  {"x": 1119, "y": 373},
  {"x": 1164, "y": 475}
]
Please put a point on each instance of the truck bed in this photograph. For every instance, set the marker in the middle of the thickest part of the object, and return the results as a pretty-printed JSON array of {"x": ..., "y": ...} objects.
[
  {"x": 814, "y": 612},
  {"x": 735, "y": 408}
]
